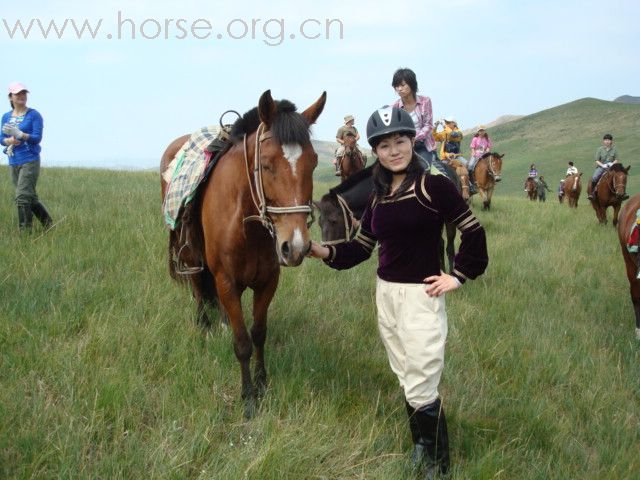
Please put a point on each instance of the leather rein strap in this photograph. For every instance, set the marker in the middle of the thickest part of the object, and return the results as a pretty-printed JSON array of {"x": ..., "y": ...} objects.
[{"x": 257, "y": 188}]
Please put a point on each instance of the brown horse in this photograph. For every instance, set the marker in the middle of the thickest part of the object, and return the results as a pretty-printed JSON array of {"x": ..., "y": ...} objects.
[
  {"x": 610, "y": 192},
  {"x": 488, "y": 172},
  {"x": 627, "y": 219},
  {"x": 572, "y": 188},
  {"x": 531, "y": 188},
  {"x": 252, "y": 218},
  {"x": 352, "y": 160}
]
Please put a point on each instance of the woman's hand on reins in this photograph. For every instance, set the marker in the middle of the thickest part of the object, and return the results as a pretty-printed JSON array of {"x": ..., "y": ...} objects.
[{"x": 439, "y": 284}]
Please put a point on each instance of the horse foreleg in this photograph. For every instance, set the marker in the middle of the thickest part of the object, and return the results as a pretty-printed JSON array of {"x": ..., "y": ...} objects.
[
  {"x": 261, "y": 300},
  {"x": 451, "y": 238},
  {"x": 616, "y": 210},
  {"x": 632, "y": 265},
  {"x": 230, "y": 300}
]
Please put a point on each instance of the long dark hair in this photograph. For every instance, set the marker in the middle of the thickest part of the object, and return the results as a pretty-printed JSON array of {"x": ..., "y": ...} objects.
[
  {"x": 382, "y": 178},
  {"x": 10, "y": 102}
]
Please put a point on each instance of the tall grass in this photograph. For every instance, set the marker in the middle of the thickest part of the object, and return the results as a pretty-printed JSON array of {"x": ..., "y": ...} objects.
[{"x": 104, "y": 373}]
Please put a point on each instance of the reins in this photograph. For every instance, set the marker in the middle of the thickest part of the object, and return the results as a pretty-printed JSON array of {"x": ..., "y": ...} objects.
[
  {"x": 257, "y": 188},
  {"x": 349, "y": 223}
]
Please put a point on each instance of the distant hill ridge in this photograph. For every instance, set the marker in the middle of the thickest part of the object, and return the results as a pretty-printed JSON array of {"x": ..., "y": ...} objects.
[{"x": 628, "y": 99}]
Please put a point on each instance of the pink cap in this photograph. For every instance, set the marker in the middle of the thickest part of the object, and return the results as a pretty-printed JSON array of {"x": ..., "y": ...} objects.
[{"x": 17, "y": 87}]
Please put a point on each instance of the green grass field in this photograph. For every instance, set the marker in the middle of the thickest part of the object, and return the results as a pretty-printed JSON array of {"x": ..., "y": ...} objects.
[{"x": 105, "y": 375}]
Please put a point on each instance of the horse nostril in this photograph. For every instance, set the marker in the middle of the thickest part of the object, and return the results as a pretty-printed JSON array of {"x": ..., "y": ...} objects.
[{"x": 285, "y": 249}]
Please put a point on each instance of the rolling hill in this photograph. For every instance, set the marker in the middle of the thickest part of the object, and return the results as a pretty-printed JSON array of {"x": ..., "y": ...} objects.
[{"x": 572, "y": 131}]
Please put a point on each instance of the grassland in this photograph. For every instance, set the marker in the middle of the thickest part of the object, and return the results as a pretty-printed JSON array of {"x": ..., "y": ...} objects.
[{"x": 105, "y": 375}]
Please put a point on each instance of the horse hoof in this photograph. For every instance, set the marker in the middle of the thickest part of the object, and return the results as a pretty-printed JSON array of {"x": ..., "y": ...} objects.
[{"x": 250, "y": 408}]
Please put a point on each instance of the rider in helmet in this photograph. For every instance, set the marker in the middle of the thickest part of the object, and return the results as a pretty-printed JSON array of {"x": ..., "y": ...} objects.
[{"x": 405, "y": 215}]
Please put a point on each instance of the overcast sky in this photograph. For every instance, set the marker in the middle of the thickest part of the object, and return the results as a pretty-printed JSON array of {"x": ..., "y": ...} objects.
[{"x": 115, "y": 100}]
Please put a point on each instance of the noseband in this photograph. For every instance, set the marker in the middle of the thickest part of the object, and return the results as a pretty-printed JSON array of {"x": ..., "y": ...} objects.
[
  {"x": 257, "y": 189},
  {"x": 492, "y": 171}
]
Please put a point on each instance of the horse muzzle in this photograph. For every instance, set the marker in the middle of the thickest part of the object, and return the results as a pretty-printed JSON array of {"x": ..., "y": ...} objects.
[
  {"x": 291, "y": 251},
  {"x": 498, "y": 178}
]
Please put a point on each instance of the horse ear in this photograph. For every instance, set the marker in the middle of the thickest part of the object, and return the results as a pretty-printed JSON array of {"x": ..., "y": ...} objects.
[
  {"x": 267, "y": 108},
  {"x": 502, "y": 155},
  {"x": 580, "y": 174},
  {"x": 628, "y": 168},
  {"x": 313, "y": 112}
]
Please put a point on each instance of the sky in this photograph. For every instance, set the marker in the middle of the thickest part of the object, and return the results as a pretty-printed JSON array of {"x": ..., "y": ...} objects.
[{"x": 111, "y": 100}]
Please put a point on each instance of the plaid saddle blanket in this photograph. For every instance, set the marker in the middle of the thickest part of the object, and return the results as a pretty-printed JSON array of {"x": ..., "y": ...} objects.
[{"x": 185, "y": 173}]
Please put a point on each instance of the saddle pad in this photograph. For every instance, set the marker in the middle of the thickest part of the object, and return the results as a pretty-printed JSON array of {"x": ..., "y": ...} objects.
[
  {"x": 632, "y": 241},
  {"x": 189, "y": 168}
]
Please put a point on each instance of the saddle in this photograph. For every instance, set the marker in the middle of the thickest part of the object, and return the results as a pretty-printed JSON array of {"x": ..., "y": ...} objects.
[{"x": 182, "y": 217}]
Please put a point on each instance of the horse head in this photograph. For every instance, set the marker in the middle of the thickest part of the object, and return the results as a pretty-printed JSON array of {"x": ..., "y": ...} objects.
[
  {"x": 284, "y": 161},
  {"x": 494, "y": 162},
  {"x": 619, "y": 180},
  {"x": 336, "y": 222}
]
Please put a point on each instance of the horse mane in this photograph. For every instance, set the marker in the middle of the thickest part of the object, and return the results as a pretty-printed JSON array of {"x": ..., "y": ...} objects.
[
  {"x": 288, "y": 127},
  {"x": 488, "y": 154},
  {"x": 617, "y": 167},
  {"x": 350, "y": 182}
]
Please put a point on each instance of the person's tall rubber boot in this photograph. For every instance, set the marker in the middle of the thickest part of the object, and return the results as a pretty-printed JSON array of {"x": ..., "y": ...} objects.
[
  {"x": 434, "y": 438},
  {"x": 418, "y": 454},
  {"x": 25, "y": 218},
  {"x": 41, "y": 214}
]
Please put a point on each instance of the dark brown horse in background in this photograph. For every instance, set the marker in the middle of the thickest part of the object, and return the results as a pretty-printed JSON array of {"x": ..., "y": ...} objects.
[
  {"x": 341, "y": 209},
  {"x": 531, "y": 188},
  {"x": 352, "y": 160},
  {"x": 610, "y": 192},
  {"x": 252, "y": 218},
  {"x": 572, "y": 188},
  {"x": 488, "y": 172},
  {"x": 627, "y": 219}
]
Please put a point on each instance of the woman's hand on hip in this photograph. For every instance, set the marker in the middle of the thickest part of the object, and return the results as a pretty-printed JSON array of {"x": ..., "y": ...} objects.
[{"x": 439, "y": 284}]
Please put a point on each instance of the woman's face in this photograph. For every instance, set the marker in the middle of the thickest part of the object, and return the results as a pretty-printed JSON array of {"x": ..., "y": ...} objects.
[
  {"x": 19, "y": 99},
  {"x": 395, "y": 152},
  {"x": 403, "y": 89}
]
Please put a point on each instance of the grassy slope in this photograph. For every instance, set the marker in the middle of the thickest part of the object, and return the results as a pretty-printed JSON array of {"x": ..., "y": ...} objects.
[
  {"x": 555, "y": 136},
  {"x": 104, "y": 374}
]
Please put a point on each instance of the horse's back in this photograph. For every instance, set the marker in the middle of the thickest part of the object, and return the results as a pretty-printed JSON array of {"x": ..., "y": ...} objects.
[{"x": 626, "y": 218}]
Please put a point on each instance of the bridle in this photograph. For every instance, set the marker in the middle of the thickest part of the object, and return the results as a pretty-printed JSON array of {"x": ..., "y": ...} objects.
[
  {"x": 612, "y": 186},
  {"x": 349, "y": 222},
  {"x": 492, "y": 170},
  {"x": 257, "y": 188}
]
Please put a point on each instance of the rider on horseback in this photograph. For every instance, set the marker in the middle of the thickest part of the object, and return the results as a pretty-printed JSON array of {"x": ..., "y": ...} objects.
[
  {"x": 606, "y": 156},
  {"x": 480, "y": 144},
  {"x": 347, "y": 129},
  {"x": 571, "y": 170},
  {"x": 449, "y": 139}
]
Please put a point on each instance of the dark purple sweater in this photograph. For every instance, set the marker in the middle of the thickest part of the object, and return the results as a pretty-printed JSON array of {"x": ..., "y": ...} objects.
[{"x": 408, "y": 229}]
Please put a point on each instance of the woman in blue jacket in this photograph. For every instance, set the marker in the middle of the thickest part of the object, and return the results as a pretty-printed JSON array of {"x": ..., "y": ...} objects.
[{"x": 21, "y": 137}]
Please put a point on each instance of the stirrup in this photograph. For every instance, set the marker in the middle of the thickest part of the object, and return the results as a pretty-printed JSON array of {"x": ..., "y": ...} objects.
[{"x": 182, "y": 268}]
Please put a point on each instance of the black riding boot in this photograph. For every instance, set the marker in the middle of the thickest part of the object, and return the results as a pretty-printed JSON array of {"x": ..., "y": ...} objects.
[
  {"x": 593, "y": 190},
  {"x": 41, "y": 214},
  {"x": 431, "y": 441},
  {"x": 25, "y": 218},
  {"x": 472, "y": 183}
]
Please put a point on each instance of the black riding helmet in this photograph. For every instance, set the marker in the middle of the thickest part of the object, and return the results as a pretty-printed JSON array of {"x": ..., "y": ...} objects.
[{"x": 388, "y": 120}]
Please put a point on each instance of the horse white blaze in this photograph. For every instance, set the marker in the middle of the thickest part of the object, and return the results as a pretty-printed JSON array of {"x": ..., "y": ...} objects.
[
  {"x": 297, "y": 242},
  {"x": 292, "y": 153}
]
